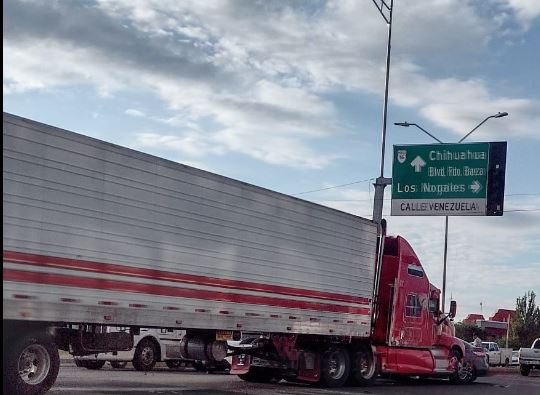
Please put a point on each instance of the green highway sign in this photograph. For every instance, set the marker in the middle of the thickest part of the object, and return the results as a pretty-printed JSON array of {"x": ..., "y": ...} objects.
[{"x": 449, "y": 179}]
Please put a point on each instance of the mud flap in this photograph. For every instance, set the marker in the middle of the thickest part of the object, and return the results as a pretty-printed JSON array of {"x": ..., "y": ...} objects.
[{"x": 240, "y": 364}]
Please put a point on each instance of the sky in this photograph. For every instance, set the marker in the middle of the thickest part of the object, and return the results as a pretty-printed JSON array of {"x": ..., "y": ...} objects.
[{"x": 288, "y": 95}]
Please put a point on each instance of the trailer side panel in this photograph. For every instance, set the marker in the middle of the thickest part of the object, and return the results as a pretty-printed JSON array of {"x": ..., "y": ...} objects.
[{"x": 98, "y": 233}]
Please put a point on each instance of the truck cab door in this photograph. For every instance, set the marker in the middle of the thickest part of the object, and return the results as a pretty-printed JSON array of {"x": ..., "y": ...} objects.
[{"x": 412, "y": 323}]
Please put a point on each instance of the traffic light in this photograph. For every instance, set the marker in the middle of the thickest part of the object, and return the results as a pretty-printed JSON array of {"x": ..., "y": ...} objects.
[{"x": 496, "y": 176}]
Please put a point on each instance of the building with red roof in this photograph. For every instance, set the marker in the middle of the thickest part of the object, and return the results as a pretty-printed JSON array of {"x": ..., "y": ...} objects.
[
  {"x": 496, "y": 326},
  {"x": 472, "y": 318}
]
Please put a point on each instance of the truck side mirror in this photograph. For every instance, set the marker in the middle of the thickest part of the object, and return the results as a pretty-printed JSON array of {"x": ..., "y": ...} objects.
[{"x": 453, "y": 309}]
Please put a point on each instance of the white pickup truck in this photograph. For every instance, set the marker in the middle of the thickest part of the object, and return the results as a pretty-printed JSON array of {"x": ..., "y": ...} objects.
[
  {"x": 497, "y": 356},
  {"x": 149, "y": 347},
  {"x": 529, "y": 358}
]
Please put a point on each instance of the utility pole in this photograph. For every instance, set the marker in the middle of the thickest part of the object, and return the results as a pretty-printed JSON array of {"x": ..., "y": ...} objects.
[
  {"x": 381, "y": 182},
  {"x": 507, "y": 330}
]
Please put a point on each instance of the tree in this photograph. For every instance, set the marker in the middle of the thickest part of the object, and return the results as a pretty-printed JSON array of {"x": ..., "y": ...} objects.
[{"x": 525, "y": 325}]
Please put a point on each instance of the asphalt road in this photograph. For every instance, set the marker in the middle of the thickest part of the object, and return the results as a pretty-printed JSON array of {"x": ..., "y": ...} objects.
[{"x": 108, "y": 381}]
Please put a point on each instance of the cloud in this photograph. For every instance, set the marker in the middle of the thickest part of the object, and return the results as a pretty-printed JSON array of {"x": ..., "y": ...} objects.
[
  {"x": 526, "y": 10},
  {"x": 189, "y": 144},
  {"x": 135, "y": 113},
  {"x": 256, "y": 79},
  {"x": 459, "y": 105}
]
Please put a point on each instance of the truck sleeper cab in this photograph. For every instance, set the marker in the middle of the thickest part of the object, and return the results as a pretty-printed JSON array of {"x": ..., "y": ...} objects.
[{"x": 412, "y": 336}]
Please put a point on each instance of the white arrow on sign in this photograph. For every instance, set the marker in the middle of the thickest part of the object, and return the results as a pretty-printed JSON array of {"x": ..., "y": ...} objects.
[
  {"x": 418, "y": 163},
  {"x": 475, "y": 186}
]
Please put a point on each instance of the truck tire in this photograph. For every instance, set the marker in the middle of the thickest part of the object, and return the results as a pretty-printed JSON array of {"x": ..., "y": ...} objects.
[
  {"x": 524, "y": 370},
  {"x": 94, "y": 365},
  {"x": 335, "y": 367},
  {"x": 118, "y": 364},
  {"x": 364, "y": 367},
  {"x": 145, "y": 355},
  {"x": 31, "y": 365},
  {"x": 464, "y": 370}
]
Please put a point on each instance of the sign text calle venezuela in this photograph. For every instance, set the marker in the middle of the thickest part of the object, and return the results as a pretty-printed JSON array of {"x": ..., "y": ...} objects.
[{"x": 449, "y": 179}]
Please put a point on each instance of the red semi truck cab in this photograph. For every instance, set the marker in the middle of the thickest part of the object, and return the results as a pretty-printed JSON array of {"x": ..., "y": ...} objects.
[{"x": 411, "y": 334}]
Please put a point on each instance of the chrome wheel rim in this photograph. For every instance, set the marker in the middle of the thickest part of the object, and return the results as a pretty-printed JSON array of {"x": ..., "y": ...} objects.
[
  {"x": 34, "y": 364},
  {"x": 366, "y": 367},
  {"x": 147, "y": 355},
  {"x": 336, "y": 365},
  {"x": 465, "y": 371}
]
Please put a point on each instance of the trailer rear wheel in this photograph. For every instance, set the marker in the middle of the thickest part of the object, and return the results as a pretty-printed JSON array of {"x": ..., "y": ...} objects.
[
  {"x": 31, "y": 365},
  {"x": 145, "y": 355},
  {"x": 335, "y": 367},
  {"x": 364, "y": 367}
]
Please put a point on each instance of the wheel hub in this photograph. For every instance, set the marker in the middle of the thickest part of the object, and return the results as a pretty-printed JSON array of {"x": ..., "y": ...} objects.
[
  {"x": 336, "y": 366},
  {"x": 34, "y": 364},
  {"x": 147, "y": 355}
]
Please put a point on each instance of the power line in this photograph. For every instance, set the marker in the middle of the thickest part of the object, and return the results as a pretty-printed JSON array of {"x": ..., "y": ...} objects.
[
  {"x": 387, "y": 199},
  {"x": 519, "y": 210},
  {"x": 387, "y": 214},
  {"x": 332, "y": 187},
  {"x": 372, "y": 179}
]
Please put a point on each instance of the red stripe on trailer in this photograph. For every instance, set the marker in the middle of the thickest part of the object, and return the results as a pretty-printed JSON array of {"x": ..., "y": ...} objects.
[
  {"x": 115, "y": 269},
  {"x": 151, "y": 289}
]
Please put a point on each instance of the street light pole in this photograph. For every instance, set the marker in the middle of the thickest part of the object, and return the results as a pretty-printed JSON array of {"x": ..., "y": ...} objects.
[
  {"x": 498, "y": 115},
  {"x": 407, "y": 124}
]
